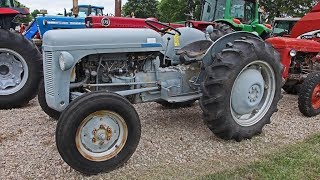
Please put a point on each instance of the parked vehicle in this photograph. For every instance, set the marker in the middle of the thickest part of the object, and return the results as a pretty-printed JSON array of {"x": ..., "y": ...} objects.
[
  {"x": 93, "y": 86},
  {"x": 239, "y": 15},
  {"x": 301, "y": 56},
  {"x": 44, "y": 23},
  {"x": 20, "y": 60},
  {"x": 225, "y": 16},
  {"x": 283, "y": 26}
]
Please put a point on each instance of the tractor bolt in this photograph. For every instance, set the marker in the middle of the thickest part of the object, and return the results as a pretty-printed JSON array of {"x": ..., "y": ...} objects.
[
  {"x": 101, "y": 143},
  {"x": 109, "y": 130},
  {"x": 94, "y": 140},
  {"x": 94, "y": 132}
]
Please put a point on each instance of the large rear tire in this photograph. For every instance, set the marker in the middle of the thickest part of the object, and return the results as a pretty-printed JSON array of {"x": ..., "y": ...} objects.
[
  {"x": 241, "y": 89},
  {"x": 309, "y": 96},
  {"x": 220, "y": 30},
  {"x": 43, "y": 103},
  {"x": 98, "y": 132},
  {"x": 20, "y": 70}
]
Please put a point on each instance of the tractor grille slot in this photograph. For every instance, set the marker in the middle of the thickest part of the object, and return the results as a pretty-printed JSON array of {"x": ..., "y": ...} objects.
[{"x": 49, "y": 73}]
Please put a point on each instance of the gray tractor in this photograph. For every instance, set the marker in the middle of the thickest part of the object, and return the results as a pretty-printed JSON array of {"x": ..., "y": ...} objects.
[{"x": 93, "y": 76}]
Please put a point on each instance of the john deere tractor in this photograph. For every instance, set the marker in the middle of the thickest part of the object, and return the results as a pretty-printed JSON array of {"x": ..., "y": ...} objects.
[
  {"x": 20, "y": 60},
  {"x": 238, "y": 15}
]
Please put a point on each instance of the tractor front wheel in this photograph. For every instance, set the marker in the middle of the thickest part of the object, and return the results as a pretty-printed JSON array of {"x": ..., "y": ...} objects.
[
  {"x": 98, "y": 132},
  {"x": 43, "y": 103},
  {"x": 20, "y": 70},
  {"x": 241, "y": 89},
  {"x": 309, "y": 96}
]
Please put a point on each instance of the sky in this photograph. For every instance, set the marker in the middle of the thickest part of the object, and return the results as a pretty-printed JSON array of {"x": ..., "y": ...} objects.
[{"x": 57, "y": 6}]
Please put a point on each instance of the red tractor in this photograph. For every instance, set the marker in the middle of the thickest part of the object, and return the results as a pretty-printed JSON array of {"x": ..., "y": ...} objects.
[
  {"x": 20, "y": 60},
  {"x": 300, "y": 55}
]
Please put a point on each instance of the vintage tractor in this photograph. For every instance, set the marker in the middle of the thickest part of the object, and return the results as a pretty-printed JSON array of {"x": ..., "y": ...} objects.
[
  {"x": 42, "y": 24},
  {"x": 93, "y": 76},
  {"x": 283, "y": 26},
  {"x": 20, "y": 60},
  {"x": 238, "y": 15},
  {"x": 301, "y": 57},
  {"x": 225, "y": 16}
]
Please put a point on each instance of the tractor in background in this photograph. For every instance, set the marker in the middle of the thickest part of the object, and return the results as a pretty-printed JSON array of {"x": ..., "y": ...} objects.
[
  {"x": 236, "y": 15},
  {"x": 225, "y": 16},
  {"x": 283, "y": 26},
  {"x": 44, "y": 23},
  {"x": 20, "y": 60},
  {"x": 300, "y": 55}
]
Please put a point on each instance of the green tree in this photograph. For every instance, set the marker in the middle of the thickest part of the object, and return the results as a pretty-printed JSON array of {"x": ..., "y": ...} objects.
[
  {"x": 173, "y": 10},
  {"x": 26, "y": 19},
  {"x": 141, "y": 8},
  {"x": 283, "y": 8},
  {"x": 179, "y": 10},
  {"x": 35, "y": 13}
]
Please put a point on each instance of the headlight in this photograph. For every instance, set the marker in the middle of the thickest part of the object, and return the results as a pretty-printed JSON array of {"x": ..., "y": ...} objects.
[
  {"x": 66, "y": 61},
  {"x": 293, "y": 53}
]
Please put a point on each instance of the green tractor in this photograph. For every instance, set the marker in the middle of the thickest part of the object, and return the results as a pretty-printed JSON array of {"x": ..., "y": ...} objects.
[{"x": 236, "y": 15}]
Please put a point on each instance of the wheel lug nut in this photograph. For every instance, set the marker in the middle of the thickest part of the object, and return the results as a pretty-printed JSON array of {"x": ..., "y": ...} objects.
[{"x": 94, "y": 140}]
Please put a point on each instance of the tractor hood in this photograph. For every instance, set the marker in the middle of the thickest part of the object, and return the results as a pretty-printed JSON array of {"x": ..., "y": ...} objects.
[{"x": 103, "y": 40}]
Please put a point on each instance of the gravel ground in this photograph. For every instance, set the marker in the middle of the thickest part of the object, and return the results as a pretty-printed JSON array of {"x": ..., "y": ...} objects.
[{"x": 174, "y": 144}]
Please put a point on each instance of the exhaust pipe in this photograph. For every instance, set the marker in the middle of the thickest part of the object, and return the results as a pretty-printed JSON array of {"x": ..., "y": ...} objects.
[
  {"x": 117, "y": 8},
  {"x": 75, "y": 8}
]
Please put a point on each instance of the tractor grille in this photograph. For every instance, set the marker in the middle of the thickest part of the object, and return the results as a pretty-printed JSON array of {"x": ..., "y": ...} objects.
[{"x": 49, "y": 73}]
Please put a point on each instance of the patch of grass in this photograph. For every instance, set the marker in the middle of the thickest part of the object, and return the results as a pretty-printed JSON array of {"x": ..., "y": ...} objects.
[{"x": 299, "y": 161}]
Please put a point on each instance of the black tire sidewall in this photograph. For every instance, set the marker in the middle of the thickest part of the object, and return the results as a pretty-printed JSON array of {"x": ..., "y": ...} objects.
[
  {"x": 77, "y": 111},
  {"x": 305, "y": 95},
  {"x": 33, "y": 58},
  {"x": 43, "y": 102}
]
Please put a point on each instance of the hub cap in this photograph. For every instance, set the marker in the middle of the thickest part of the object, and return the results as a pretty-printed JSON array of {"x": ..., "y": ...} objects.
[
  {"x": 13, "y": 72},
  {"x": 101, "y": 136},
  {"x": 316, "y": 97},
  {"x": 252, "y": 93}
]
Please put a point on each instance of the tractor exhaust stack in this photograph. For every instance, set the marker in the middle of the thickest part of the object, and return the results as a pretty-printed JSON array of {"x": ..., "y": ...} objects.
[
  {"x": 118, "y": 8},
  {"x": 75, "y": 8}
]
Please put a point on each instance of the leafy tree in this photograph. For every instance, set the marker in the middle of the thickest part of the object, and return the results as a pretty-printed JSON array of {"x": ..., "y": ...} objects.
[
  {"x": 285, "y": 8},
  {"x": 141, "y": 8},
  {"x": 179, "y": 10},
  {"x": 173, "y": 10},
  {"x": 35, "y": 13}
]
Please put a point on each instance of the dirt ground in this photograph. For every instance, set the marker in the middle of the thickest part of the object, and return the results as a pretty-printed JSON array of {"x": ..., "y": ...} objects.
[{"x": 174, "y": 144}]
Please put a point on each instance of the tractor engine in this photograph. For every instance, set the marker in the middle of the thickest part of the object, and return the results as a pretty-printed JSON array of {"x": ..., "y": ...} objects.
[
  {"x": 112, "y": 68},
  {"x": 128, "y": 71}
]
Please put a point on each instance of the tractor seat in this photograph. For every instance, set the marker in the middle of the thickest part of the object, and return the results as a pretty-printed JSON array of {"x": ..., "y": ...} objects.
[{"x": 195, "y": 49}]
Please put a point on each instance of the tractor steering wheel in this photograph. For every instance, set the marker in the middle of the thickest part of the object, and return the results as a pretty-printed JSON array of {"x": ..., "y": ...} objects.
[{"x": 151, "y": 23}]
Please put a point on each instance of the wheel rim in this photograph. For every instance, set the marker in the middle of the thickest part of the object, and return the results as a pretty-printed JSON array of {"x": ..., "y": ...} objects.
[
  {"x": 13, "y": 72},
  {"x": 101, "y": 136},
  {"x": 252, "y": 93},
  {"x": 316, "y": 97}
]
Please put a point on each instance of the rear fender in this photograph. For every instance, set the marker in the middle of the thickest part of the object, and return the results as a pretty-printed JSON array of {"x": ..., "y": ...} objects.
[
  {"x": 221, "y": 43},
  {"x": 218, "y": 46}
]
